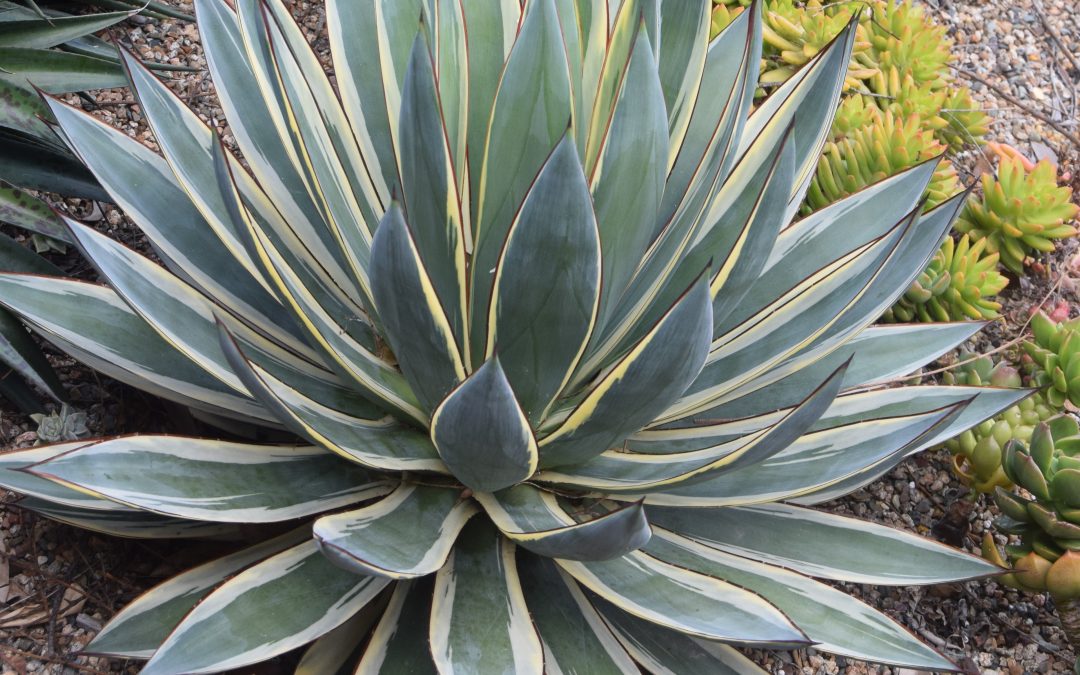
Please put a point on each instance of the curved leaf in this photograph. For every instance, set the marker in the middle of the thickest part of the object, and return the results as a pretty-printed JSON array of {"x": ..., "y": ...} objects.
[
  {"x": 534, "y": 520},
  {"x": 480, "y": 583},
  {"x": 481, "y": 432},
  {"x": 241, "y": 622},
  {"x": 213, "y": 480},
  {"x": 407, "y": 534}
]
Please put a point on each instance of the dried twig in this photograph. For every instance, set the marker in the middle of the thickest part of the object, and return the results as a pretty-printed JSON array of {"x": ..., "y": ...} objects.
[{"x": 1038, "y": 114}]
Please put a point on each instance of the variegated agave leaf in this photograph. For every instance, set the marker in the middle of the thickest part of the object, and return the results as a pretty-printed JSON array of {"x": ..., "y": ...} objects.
[{"x": 522, "y": 281}]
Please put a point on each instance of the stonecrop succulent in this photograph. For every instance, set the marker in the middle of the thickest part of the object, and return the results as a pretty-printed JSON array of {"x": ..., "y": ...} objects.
[
  {"x": 882, "y": 147},
  {"x": 537, "y": 372},
  {"x": 1053, "y": 358},
  {"x": 1021, "y": 211},
  {"x": 1048, "y": 522},
  {"x": 977, "y": 452},
  {"x": 961, "y": 282},
  {"x": 1047, "y": 518}
]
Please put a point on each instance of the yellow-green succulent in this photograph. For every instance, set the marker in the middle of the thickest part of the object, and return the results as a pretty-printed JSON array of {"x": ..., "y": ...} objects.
[
  {"x": 961, "y": 282},
  {"x": 872, "y": 152},
  {"x": 1021, "y": 211},
  {"x": 1053, "y": 358}
]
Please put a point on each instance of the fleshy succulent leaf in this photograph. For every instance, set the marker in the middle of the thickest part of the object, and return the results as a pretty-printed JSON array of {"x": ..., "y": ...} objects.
[
  {"x": 481, "y": 579},
  {"x": 422, "y": 521},
  {"x": 534, "y": 520},
  {"x": 212, "y": 480}
]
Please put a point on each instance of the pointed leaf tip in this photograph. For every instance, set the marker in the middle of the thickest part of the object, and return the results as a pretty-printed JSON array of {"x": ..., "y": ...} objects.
[{"x": 482, "y": 434}]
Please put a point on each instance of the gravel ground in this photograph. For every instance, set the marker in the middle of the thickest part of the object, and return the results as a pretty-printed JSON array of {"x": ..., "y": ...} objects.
[{"x": 58, "y": 585}]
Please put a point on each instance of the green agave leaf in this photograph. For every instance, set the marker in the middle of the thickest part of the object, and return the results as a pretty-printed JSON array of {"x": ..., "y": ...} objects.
[
  {"x": 482, "y": 434},
  {"x": 627, "y": 177},
  {"x": 704, "y": 154},
  {"x": 396, "y": 25},
  {"x": 53, "y": 31},
  {"x": 12, "y": 477},
  {"x": 15, "y": 257},
  {"x": 593, "y": 21},
  {"x": 407, "y": 534},
  {"x": 786, "y": 326},
  {"x": 57, "y": 72},
  {"x": 184, "y": 140},
  {"x": 129, "y": 523},
  {"x": 822, "y": 544},
  {"x": 213, "y": 480},
  {"x": 534, "y": 520},
  {"x": 241, "y": 623},
  {"x": 415, "y": 323},
  {"x": 336, "y": 652},
  {"x": 260, "y": 133},
  {"x": 445, "y": 23},
  {"x": 429, "y": 188},
  {"x": 982, "y": 403},
  {"x": 292, "y": 80},
  {"x": 741, "y": 245},
  {"x": 189, "y": 246},
  {"x": 492, "y": 27},
  {"x": 627, "y": 20},
  {"x": 876, "y": 354},
  {"x": 814, "y": 461},
  {"x": 673, "y": 597},
  {"x": 574, "y": 637},
  {"x": 807, "y": 101},
  {"x": 684, "y": 42},
  {"x": 832, "y": 619},
  {"x": 547, "y": 284},
  {"x": 180, "y": 314},
  {"x": 638, "y": 387},
  {"x": 811, "y": 243},
  {"x": 481, "y": 580},
  {"x": 352, "y": 356},
  {"x": 920, "y": 243},
  {"x": 668, "y": 652},
  {"x": 140, "y": 627},
  {"x": 85, "y": 321},
  {"x": 374, "y": 441},
  {"x": 355, "y": 43},
  {"x": 35, "y": 162},
  {"x": 20, "y": 353},
  {"x": 618, "y": 471},
  {"x": 399, "y": 640},
  {"x": 520, "y": 137},
  {"x": 288, "y": 40}
]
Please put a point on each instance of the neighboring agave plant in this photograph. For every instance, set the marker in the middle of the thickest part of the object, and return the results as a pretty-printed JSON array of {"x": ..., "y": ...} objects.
[
  {"x": 559, "y": 365},
  {"x": 960, "y": 283},
  {"x": 1047, "y": 520},
  {"x": 1053, "y": 358},
  {"x": 1020, "y": 211},
  {"x": 977, "y": 452}
]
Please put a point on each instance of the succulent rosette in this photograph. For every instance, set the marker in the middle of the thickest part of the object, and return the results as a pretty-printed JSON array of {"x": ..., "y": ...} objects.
[{"x": 518, "y": 360}]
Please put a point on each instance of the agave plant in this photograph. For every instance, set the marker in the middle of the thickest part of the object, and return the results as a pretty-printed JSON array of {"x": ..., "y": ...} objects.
[{"x": 554, "y": 361}]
